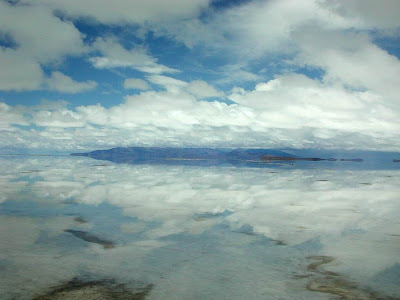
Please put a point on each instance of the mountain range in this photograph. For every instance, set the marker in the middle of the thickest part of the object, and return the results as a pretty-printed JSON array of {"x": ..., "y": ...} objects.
[{"x": 148, "y": 154}]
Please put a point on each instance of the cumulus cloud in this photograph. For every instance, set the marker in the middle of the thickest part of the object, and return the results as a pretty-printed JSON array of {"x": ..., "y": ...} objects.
[
  {"x": 168, "y": 83},
  {"x": 288, "y": 111},
  {"x": 39, "y": 34},
  {"x": 19, "y": 72},
  {"x": 369, "y": 14},
  {"x": 257, "y": 28},
  {"x": 65, "y": 84},
  {"x": 126, "y": 11},
  {"x": 114, "y": 55},
  {"x": 136, "y": 83},
  {"x": 47, "y": 43},
  {"x": 198, "y": 88},
  {"x": 351, "y": 59},
  {"x": 10, "y": 115},
  {"x": 202, "y": 89},
  {"x": 352, "y": 103}
]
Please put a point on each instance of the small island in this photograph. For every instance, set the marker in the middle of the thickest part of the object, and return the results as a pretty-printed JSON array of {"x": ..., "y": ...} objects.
[
  {"x": 352, "y": 159},
  {"x": 293, "y": 158}
]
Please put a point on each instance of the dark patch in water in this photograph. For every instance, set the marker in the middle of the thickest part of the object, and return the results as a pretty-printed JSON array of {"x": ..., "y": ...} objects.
[
  {"x": 301, "y": 276},
  {"x": 205, "y": 216},
  {"x": 87, "y": 237},
  {"x": 280, "y": 243},
  {"x": 80, "y": 220},
  {"x": 95, "y": 290},
  {"x": 31, "y": 171}
]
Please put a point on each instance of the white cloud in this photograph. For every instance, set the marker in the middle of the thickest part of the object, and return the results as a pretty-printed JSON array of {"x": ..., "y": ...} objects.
[
  {"x": 126, "y": 11},
  {"x": 65, "y": 84},
  {"x": 351, "y": 59},
  {"x": 10, "y": 115},
  {"x": 369, "y": 14},
  {"x": 202, "y": 89},
  {"x": 114, "y": 55},
  {"x": 236, "y": 73},
  {"x": 289, "y": 111},
  {"x": 169, "y": 83},
  {"x": 19, "y": 72},
  {"x": 355, "y": 104},
  {"x": 39, "y": 38},
  {"x": 198, "y": 88},
  {"x": 253, "y": 29},
  {"x": 136, "y": 83},
  {"x": 39, "y": 34}
]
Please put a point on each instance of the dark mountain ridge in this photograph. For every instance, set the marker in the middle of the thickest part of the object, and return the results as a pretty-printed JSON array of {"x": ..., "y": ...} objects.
[
  {"x": 131, "y": 154},
  {"x": 241, "y": 157}
]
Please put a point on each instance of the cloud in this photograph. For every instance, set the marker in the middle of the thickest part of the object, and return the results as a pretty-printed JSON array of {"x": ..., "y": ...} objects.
[
  {"x": 351, "y": 59},
  {"x": 255, "y": 28},
  {"x": 65, "y": 84},
  {"x": 126, "y": 11},
  {"x": 288, "y": 111},
  {"x": 352, "y": 102},
  {"x": 46, "y": 43},
  {"x": 169, "y": 83},
  {"x": 19, "y": 72},
  {"x": 237, "y": 73},
  {"x": 202, "y": 89},
  {"x": 136, "y": 83},
  {"x": 114, "y": 55},
  {"x": 49, "y": 40},
  {"x": 198, "y": 88},
  {"x": 10, "y": 115},
  {"x": 369, "y": 14}
]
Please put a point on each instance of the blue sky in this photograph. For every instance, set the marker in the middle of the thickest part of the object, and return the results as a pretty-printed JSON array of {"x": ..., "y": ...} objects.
[{"x": 276, "y": 74}]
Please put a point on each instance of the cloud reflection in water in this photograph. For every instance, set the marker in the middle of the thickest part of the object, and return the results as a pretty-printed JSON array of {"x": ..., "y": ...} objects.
[{"x": 192, "y": 231}]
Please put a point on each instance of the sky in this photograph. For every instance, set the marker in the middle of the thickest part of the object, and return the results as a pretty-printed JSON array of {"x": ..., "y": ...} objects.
[{"x": 97, "y": 74}]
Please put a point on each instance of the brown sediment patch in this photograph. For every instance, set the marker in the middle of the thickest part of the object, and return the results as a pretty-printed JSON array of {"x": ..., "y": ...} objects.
[
  {"x": 320, "y": 260},
  {"x": 95, "y": 290},
  {"x": 301, "y": 227},
  {"x": 331, "y": 283},
  {"x": 339, "y": 287},
  {"x": 90, "y": 238}
]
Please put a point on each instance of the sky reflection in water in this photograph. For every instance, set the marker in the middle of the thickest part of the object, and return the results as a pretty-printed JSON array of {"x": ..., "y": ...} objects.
[{"x": 195, "y": 232}]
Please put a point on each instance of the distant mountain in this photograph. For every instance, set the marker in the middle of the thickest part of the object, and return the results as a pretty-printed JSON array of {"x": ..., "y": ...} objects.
[
  {"x": 146, "y": 154},
  {"x": 247, "y": 157}
]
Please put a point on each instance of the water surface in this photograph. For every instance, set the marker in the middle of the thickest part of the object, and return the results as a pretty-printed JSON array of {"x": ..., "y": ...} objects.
[{"x": 192, "y": 232}]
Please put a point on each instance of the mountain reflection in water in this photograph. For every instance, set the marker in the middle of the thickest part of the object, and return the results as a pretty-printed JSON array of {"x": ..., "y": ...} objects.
[{"x": 191, "y": 232}]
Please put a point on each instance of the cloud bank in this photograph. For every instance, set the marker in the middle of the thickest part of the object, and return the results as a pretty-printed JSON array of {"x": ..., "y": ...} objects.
[{"x": 279, "y": 73}]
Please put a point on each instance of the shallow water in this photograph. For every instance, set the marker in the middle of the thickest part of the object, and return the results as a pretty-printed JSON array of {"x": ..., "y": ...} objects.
[{"x": 190, "y": 232}]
